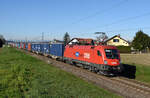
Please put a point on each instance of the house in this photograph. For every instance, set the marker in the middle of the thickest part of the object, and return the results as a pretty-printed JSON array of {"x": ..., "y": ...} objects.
[
  {"x": 117, "y": 41},
  {"x": 81, "y": 41}
]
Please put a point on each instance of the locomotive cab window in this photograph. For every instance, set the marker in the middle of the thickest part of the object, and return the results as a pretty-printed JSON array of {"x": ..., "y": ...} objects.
[
  {"x": 111, "y": 53},
  {"x": 98, "y": 53}
]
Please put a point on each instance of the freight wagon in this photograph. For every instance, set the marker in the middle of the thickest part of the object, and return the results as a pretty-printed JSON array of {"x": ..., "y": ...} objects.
[
  {"x": 33, "y": 49},
  {"x": 26, "y": 46},
  {"x": 56, "y": 50},
  {"x": 29, "y": 46},
  {"x": 45, "y": 48}
]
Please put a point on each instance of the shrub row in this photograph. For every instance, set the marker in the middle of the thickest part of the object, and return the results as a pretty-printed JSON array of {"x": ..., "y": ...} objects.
[{"x": 124, "y": 49}]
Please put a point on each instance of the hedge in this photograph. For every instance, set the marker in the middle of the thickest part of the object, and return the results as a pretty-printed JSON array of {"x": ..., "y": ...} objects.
[{"x": 124, "y": 49}]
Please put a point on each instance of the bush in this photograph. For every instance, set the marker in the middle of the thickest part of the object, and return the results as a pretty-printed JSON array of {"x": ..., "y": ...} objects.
[{"x": 124, "y": 49}]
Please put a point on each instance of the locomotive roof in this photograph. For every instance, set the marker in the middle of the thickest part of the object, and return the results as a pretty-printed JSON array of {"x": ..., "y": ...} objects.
[
  {"x": 81, "y": 41},
  {"x": 92, "y": 46}
]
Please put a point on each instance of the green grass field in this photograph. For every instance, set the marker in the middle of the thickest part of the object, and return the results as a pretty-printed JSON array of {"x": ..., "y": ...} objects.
[
  {"x": 143, "y": 73},
  {"x": 142, "y": 63},
  {"x": 22, "y": 76}
]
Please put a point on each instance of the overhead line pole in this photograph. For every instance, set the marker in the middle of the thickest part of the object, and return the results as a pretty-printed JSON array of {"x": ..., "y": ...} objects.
[{"x": 42, "y": 36}]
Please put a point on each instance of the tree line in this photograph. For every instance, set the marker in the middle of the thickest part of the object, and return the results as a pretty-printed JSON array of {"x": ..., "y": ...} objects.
[{"x": 141, "y": 41}]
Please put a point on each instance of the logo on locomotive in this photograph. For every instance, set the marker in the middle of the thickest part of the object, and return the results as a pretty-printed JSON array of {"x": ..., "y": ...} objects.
[
  {"x": 77, "y": 54},
  {"x": 86, "y": 55}
]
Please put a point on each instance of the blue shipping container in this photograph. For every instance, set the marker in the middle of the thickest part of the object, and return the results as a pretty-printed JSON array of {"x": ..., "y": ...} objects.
[
  {"x": 33, "y": 47},
  {"x": 38, "y": 48},
  {"x": 26, "y": 46},
  {"x": 45, "y": 48},
  {"x": 57, "y": 49}
]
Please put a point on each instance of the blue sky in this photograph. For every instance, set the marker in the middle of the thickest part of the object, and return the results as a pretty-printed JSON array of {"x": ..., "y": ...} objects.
[{"x": 27, "y": 19}]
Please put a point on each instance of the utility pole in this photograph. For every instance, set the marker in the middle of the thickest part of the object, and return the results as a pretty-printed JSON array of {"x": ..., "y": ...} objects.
[
  {"x": 42, "y": 36},
  {"x": 26, "y": 39}
]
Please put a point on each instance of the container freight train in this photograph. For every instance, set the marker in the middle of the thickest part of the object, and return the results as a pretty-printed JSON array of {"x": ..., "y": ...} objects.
[{"x": 101, "y": 59}]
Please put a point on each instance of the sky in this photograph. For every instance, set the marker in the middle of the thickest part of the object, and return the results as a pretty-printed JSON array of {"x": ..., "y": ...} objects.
[{"x": 27, "y": 19}]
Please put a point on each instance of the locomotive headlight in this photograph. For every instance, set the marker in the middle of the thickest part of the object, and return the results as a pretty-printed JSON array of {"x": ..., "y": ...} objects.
[{"x": 105, "y": 62}]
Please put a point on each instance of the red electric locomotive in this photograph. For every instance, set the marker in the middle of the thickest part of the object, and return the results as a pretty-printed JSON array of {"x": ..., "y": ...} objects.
[{"x": 101, "y": 59}]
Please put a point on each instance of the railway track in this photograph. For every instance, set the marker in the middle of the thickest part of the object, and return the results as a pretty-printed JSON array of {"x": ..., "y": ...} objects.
[
  {"x": 139, "y": 89},
  {"x": 128, "y": 88},
  {"x": 134, "y": 83}
]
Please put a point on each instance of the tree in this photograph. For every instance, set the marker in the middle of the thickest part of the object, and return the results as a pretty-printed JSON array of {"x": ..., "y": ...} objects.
[
  {"x": 102, "y": 36},
  {"x": 66, "y": 38},
  {"x": 2, "y": 40},
  {"x": 141, "y": 41}
]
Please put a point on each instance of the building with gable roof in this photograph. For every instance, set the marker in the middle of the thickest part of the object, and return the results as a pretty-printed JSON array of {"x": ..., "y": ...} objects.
[{"x": 117, "y": 41}]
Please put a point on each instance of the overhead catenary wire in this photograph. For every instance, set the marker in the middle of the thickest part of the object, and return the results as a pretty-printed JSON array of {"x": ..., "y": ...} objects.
[
  {"x": 36, "y": 38},
  {"x": 101, "y": 12},
  {"x": 125, "y": 19},
  {"x": 129, "y": 29}
]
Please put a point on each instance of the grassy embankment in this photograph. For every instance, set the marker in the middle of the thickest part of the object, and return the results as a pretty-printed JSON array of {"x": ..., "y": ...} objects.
[
  {"x": 142, "y": 63},
  {"x": 24, "y": 76}
]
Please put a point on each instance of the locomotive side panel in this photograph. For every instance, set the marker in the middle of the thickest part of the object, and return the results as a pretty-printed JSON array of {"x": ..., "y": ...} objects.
[
  {"x": 83, "y": 53},
  {"x": 105, "y": 59}
]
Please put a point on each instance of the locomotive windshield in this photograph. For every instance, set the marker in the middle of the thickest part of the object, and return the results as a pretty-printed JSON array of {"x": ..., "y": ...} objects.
[{"x": 111, "y": 53}]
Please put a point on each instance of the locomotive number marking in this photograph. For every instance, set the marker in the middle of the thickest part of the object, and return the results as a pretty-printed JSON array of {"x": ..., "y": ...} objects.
[
  {"x": 86, "y": 55},
  {"x": 113, "y": 62}
]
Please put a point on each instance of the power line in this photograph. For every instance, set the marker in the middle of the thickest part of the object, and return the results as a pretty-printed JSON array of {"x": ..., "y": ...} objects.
[
  {"x": 126, "y": 19},
  {"x": 101, "y": 12},
  {"x": 129, "y": 29},
  {"x": 36, "y": 38},
  {"x": 122, "y": 30}
]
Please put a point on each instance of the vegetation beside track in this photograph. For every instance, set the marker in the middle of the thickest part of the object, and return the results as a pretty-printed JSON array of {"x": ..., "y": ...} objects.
[
  {"x": 142, "y": 63},
  {"x": 25, "y": 76},
  {"x": 143, "y": 73}
]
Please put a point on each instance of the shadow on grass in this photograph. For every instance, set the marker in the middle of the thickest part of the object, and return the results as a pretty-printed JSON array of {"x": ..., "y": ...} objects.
[{"x": 129, "y": 71}]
